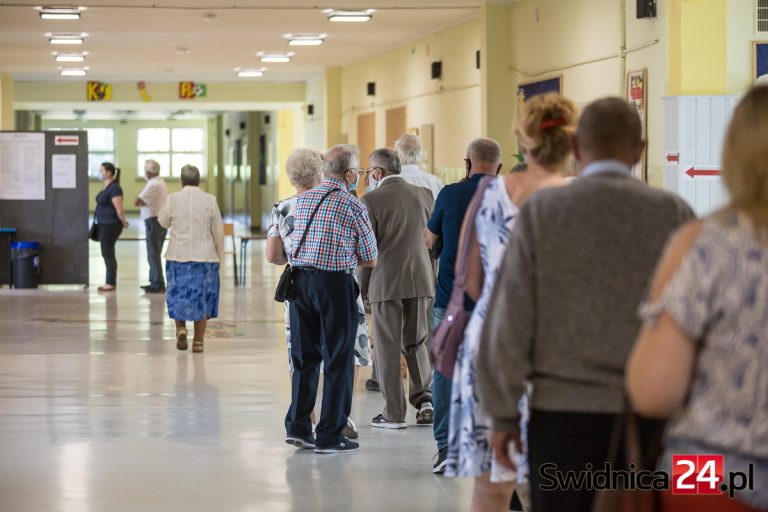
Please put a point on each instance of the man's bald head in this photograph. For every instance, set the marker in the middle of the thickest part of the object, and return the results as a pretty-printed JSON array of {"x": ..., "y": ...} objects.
[{"x": 609, "y": 129}]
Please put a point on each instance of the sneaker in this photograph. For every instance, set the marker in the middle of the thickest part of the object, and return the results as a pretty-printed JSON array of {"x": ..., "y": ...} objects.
[
  {"x": 350, "y": 431},
  {"x": 301, "y": 442},
  {"x": 372, "y": 385},
  {"x": 425, "y": 415},
  {"x": 346, "y": 446},
  {"x": 181, "y": 339},
  {"x": 442, "y": 461},
  {"x": 381, "y": 422}
]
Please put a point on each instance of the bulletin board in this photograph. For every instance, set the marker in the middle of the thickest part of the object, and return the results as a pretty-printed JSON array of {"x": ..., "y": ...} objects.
[{"x": 53, "y": 211}]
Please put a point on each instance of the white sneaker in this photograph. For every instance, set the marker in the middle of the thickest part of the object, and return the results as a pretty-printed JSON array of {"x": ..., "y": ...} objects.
[{"x": 381, "y": 422}]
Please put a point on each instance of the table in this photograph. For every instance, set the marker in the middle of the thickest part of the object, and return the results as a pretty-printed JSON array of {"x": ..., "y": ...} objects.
[{"x": 11, "y": 232}]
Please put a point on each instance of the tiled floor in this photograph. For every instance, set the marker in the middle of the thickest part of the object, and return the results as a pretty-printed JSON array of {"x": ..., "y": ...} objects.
[{"x": 100, "y": 413}]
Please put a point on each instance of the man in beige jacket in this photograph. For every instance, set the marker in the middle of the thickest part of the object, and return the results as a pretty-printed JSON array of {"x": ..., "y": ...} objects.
[{"x": 399, "y": 290}]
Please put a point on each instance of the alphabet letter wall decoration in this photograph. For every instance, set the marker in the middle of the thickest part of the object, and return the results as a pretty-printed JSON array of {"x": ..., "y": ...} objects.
[
  {"x": 191, "y": 90},
  {"x": 99, "y": 91}
]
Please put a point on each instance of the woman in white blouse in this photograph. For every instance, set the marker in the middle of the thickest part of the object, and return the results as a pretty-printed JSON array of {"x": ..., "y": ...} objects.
[{"x": 192, "y": 259}]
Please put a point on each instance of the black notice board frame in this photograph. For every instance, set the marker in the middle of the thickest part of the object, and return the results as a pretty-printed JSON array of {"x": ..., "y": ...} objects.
[{"x": 59, "y": 222}]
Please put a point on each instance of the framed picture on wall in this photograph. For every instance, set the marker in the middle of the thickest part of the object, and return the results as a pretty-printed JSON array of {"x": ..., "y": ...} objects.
[
  {"x": 637, "y": 96},
  {"x": 759, "y": 59},
  {"x": 528, "y": 89}
]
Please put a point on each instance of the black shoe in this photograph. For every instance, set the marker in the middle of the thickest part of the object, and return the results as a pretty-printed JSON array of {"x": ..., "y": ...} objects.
[
  {"x": 346, "y": 446},
  {"x": 442, "y": 461},
  {"x": 381, "y": 422},
  {"x": 372, "y": 385},
  {"x": 149, "y": 289},
  {"x": 146, "y": 287},
  {"x": 307, "y": 442}
]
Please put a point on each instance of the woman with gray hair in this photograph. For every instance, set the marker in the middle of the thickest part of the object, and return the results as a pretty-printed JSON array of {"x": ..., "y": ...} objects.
[
  {"x": 304, "y": 168},
  {"x": 192, "y": 260}
]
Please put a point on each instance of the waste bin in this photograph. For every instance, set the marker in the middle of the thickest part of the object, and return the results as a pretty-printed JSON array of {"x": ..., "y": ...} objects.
[{"x": 25, "y": 264}]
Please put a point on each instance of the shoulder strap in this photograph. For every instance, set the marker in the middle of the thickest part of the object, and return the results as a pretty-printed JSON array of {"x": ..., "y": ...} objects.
[
  {"x": 309, "y": 223},
  {"x": 468, "y": 233}
]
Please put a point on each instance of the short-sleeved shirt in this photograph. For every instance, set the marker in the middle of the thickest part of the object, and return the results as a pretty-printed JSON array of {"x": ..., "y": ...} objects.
[
  {"x": 282, "y": 222},
  {"x": 105, "y": 211},
  {"x": 154, "y": 195},
  {"x": 340, "y": 234},
  {"x": 450, "y": 207}
]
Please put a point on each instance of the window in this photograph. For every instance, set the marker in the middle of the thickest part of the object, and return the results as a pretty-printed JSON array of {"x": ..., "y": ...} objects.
[
  {"x": 101, "y": 147},
  {"x": 173, "y": 148},
  {"x": 762, "y": 16}
]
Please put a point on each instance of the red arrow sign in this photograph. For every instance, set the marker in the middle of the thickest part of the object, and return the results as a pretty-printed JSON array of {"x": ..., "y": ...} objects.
[
  {"x": 693, "y": 172},
  {"x": 673, "y": 157},
  {"x": 67, "y": 141}
]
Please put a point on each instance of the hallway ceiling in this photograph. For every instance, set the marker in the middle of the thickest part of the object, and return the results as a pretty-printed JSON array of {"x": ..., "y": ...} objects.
[{"x": 130, "y": 41}]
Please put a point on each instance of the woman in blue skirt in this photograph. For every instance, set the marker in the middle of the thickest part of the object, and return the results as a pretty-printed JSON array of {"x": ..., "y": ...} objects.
[{"x": 192, "y": 259}]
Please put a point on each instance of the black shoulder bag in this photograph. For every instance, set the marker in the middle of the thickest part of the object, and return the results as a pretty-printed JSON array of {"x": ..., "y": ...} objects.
[{"x": 286, "y": 287}]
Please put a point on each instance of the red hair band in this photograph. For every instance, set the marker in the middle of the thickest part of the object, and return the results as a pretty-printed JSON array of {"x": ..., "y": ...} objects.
[{"x": 552, "y": 123}]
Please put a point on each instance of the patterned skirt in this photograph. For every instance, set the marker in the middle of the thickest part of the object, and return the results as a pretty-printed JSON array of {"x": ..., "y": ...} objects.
[{"x": 192, "y": 290}]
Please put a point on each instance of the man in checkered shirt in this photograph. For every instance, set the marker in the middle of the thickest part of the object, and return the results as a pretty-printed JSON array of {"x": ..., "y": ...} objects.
[{"x": 324, "y": 312}]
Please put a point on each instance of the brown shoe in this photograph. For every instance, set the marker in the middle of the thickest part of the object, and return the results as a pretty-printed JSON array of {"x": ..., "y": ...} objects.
[
  {"x": 197, "y": 346},
  {"x": 106, "y": 288},
  {"x": 181, "y": 339}
]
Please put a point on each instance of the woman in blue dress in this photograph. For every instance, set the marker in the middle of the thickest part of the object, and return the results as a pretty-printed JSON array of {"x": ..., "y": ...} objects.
[{"x": 544, "y": 128}]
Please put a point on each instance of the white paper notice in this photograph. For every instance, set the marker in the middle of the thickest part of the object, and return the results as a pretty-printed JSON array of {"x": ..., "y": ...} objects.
[
  {"x": 63, "y": 171},
  {"x": 22, "y": 165}
]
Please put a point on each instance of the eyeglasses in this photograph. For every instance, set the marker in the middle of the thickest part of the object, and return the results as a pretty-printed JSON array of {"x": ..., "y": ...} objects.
[
  {"x": 374, "y": 169},
  {"x": 358, "y": 170}
]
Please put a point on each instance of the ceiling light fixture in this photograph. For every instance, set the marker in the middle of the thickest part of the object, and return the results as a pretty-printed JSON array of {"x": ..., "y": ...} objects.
[
  {"x": 73, "y": 72},
  {"x": 250, "y": 73},
  {"x": 305, "y": 39},
  {"x": 60, "y": 13},
  {"x": 70, "y": 57},
  {"x": 275, "y": 57},
  {"x": 350, "y": 16},
  {"x": 68, "y": 39}
]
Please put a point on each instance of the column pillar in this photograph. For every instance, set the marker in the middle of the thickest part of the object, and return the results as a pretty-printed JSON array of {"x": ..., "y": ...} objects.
[
  {"x": 332, "y": 107},
  {"x": 6, "y": 102}
]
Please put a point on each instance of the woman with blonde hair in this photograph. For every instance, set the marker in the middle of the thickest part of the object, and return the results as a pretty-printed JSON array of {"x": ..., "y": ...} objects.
[
  {"x": 195, "y": 250},
  {"x": 701, "y": 356},
  {"x": 544, "y": 129},
  {"x": 304, "y": 168}
]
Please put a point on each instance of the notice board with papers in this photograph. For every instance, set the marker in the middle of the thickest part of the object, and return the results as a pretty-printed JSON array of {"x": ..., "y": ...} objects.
[{"x": 44, "y": 195}]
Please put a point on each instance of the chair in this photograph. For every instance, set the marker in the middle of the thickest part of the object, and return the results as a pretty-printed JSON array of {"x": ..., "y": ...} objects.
[{"x": 229, "y": 230}]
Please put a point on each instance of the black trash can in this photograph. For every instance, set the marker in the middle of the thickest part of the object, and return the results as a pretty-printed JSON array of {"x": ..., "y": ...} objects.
[{"x": 25, "y": 264}]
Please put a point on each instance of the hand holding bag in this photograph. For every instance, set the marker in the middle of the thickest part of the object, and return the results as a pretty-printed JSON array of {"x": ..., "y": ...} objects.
[
  {"x": 286, "y": 286},
  {"x": 450, "y": 333}
]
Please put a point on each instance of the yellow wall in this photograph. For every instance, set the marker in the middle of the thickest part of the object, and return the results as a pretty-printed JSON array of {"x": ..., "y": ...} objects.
[
  {"x": 402, "y": 78},
  {"x": 6, "y": 102}
]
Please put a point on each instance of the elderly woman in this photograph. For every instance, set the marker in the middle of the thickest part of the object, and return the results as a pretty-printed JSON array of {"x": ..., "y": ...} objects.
[
  {"x": 701, "y": 356},
  {"x": 304, "y": 168},
  {"x": 192, "y": 260}
]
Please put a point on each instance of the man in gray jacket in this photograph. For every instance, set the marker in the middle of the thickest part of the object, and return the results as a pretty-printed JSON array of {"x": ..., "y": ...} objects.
[
  {"x": 399, "y": 290},
  {"x": 563, "y": 313}
]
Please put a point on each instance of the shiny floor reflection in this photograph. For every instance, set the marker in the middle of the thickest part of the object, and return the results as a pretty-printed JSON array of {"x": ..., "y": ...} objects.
[{"x": 100, "y": 413}]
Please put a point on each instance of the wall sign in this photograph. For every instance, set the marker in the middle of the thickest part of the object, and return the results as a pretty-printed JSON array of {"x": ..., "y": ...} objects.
[
  {"x": 99, "y": 91},
  {"x": 192, "y": 90},
  {"x": 637, "y": 96},
  {"x": 759, "y": 59}
]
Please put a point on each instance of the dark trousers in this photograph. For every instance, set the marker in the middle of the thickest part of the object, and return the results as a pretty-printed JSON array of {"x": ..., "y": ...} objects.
[
  {"x": 571, "y": 441},
  {"x": 108, "y": 235},
  {"x": 324, "y": 320},
  {"x": 155, "y": 238}
]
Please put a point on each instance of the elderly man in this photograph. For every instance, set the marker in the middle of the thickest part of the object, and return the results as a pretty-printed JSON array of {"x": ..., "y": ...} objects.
[
  {"x": 151, "y": 200},
  {"x": 410, "y": 153},
  {"x": 399, "y": 290},
  {"x": 332, "y": 235},
  {"x": 564, "y": 308},
  {"x": 483, "y": 159}
]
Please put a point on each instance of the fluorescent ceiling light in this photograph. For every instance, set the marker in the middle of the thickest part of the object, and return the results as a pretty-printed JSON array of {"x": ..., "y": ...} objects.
[
  {"x": 350, "y": 16},
  {"x": 70, "y": 57},
  {"x": 305, "y": 39},
  {"x": 275, "y": 57},
  {"x": 60, "y": 13},
  {"x": 250, "y": 73},
  {"x": 73, "y": 72},
  {"x": 66, "y": 38}
]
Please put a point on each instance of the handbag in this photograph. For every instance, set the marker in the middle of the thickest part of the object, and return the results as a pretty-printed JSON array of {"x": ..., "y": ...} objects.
[
  {"x": 623, "y": 499},
  {"x": 437, "y": 248},
  {"x": 286, "y": 286},
  {"x": 93, "y": 233},
  {"x": 450, "y": 333}
]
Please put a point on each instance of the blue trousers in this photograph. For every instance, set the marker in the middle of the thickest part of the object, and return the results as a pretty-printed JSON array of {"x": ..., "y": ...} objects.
[
  {"x": 441, "y": 395},
  {"x": 324, "y": 320}
]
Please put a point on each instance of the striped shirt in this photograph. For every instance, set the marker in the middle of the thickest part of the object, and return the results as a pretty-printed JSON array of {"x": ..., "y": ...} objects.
[{"x": 340, "y": 233}]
